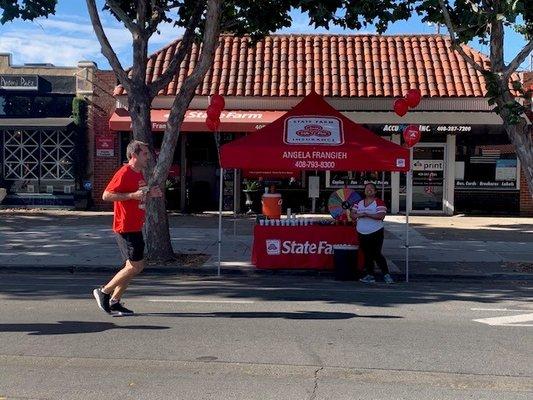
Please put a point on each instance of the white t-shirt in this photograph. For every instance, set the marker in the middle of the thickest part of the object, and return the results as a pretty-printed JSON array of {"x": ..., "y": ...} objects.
[{"x": 366, "y": 225}]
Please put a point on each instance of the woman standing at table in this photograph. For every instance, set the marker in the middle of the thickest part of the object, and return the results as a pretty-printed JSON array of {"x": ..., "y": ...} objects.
[{"x": 370, "y": 213}]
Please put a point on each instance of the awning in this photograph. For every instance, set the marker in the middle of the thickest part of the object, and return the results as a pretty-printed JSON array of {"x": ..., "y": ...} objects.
[
  {"x": 314, "y": 136},
  {"x": 230, "y": 121},
  {"x": 34, "y": 123}
]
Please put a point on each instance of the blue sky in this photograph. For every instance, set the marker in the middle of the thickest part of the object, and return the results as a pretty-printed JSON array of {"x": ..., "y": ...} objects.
[{"x": 67, "y": 37}]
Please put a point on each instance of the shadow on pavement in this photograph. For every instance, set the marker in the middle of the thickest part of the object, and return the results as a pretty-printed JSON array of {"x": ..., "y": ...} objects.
[
  {"x": 302, "y": 315},
  {"x": 274, "y": 288},
  {"x": 71, "y": 327},
  {"x": 489, "y": 233}
]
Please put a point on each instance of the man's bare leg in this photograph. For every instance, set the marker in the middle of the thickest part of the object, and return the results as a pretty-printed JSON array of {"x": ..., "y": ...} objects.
[{"x": 122, "y": 279}]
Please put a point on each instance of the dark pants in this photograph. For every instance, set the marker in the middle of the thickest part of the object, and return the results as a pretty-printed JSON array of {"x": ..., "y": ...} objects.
[{"x": 371, "y": 245}]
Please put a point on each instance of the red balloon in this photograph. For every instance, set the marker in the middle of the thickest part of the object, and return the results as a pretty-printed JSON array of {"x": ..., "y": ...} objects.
[
  {"x": 413, "y": 97},
  {"x": 213, "y": 112},
  {"x": 411, "y": 135},
  {"x": 218, "y": 101},
  {"x": 212, "y": 123},
  {"x": 400, "y": 107}
]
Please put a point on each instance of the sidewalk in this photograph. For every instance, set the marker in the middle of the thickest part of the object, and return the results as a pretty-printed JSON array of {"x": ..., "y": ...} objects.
[{"x": 440, "y": 247}]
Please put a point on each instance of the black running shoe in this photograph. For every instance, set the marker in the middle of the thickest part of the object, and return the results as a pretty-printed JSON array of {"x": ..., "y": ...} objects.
[
  {"x": 102, "y": 299},
  {"x": 119, "y": 310}
]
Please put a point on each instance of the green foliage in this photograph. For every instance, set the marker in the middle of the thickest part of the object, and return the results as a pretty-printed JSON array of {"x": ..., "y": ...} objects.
[
  {"x": 251, "y": 185},
  {"x": 352, "y": 14},
  {"x": 511, "y": 110},
  {"x": 473, "y": 18},
  {"x": 79, "y": 111},
  {"x": 79, "y": 115},
  {"x": 258, "y": 18},
  {"x": 25, "y": 9}
]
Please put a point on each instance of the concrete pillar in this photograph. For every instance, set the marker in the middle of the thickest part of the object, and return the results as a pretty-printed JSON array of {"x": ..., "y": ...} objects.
[
  {"x": 449, "y": 175},
  {"x": 395, "y": 183}
]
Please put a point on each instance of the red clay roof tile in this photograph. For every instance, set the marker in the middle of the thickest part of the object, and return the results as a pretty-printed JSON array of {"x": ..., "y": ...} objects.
[{"x": 332, "y": 65}]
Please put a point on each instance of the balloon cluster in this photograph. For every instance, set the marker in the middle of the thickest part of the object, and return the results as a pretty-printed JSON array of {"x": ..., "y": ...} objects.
[
  {"x": 411, "y": 134},
  {"x": 216, "y": 105},
  {"x": 411, "y": 100}
]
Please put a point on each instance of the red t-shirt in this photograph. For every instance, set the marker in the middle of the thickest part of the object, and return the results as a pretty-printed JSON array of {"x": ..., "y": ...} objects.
[{"x": 128, "y": 217}]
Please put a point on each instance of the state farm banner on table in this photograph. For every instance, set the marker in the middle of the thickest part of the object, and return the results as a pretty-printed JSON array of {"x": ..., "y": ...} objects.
[{"x": 282, "y": 247}]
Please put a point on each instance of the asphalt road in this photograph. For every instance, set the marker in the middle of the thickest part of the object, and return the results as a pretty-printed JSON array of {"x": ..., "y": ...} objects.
[{"x": 266, "y": 338}]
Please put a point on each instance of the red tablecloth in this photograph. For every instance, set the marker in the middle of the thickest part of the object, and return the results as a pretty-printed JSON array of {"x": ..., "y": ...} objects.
[{"x": 299, "y": 247}]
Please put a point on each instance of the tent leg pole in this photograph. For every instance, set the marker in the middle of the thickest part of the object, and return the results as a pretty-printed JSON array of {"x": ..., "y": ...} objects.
[
  {"x": 407, "y": 245},
  {"x": 408, "y": 202},
  {"x": 220, "y": 218},
  {"x": 383, "y": 185}
]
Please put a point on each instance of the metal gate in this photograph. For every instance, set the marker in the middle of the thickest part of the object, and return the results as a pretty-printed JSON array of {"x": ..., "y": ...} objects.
[{"x": 34, "y": 156}]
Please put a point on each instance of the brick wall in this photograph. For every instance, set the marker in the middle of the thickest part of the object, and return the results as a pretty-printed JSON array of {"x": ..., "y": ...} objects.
[
  {"x": 100, "y": 110},
  {"x": 526, "y": 198}
]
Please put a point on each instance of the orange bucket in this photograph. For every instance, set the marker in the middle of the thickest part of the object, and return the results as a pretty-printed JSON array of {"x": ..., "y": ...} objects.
[{"x": 272, "y": 205}]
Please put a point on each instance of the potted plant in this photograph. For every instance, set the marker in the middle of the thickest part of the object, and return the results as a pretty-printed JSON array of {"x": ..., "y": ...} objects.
[
  {"x": 172, "y": 193},
  {"x": 250, "y": 186}
]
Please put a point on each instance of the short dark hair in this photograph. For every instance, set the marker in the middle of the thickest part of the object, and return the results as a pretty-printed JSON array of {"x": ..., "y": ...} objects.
[
  {"x": 134, "y": 147},
  {"x": 373, "y": 185}
]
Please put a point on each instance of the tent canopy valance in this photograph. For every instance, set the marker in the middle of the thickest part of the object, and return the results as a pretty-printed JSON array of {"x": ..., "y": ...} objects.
[{"x": 314, "y": 136}]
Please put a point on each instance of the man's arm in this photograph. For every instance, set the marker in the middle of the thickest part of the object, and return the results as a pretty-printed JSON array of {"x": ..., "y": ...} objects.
[{"x": 112, "y": 196}]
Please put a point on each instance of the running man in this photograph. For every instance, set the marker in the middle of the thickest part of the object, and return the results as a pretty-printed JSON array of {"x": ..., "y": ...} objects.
[{"x": 128, "y": 192}]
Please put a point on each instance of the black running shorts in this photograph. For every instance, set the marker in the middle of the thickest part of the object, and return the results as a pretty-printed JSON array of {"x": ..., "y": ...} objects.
[{"x": 131, "y": 245}]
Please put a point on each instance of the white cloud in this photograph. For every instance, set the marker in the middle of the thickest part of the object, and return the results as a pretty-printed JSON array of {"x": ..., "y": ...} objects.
[
  {"x": 41, "y": 48},
  {"x": 66, "y": 39}
]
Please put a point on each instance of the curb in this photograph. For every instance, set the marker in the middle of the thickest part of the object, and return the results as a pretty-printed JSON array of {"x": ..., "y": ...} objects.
[{"x": 211, "y": 271}]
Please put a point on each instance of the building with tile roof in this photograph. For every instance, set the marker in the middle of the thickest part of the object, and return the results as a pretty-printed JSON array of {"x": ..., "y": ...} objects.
[{"x": 361, "y": 76}]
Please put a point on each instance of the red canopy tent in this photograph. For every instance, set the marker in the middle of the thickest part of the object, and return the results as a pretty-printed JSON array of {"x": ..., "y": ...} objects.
[{"x": 314, "y": 136}]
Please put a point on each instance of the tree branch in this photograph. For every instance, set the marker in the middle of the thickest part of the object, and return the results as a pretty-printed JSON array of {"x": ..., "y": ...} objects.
[
  {"x": 181, "y": 52},
  {"x": 519, "y": 59},
  {"x": 107, "y": 50},
  {"x": 455, "y": 43},
  {"x": 155, "y": 18},
  {"x": 186, "y": 92},
  {"x": 128, "y": 22}
]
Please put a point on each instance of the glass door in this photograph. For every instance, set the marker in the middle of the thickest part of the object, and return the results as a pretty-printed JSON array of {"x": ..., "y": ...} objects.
[{"x": 428, "y": 177}]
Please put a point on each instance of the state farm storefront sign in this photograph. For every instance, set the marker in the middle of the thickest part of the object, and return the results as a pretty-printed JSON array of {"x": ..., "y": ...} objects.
[{"x": 194, "y": 120}]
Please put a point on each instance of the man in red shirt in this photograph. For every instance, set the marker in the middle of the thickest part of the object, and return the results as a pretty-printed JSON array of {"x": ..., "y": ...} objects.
[{"x": 128, "y": 192}]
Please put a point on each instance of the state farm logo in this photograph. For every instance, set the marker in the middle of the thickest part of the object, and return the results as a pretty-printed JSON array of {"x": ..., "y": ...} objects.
[
  {"x": 275, "y": 247},
  {"x": 313, "y": 130}
]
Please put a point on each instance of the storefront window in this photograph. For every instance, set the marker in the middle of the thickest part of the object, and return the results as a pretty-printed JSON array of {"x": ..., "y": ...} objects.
[
  {"x": 15, "y": 105},
  {"x": 485, "y": 162},
  {"x": 357, "y": 179},
  {"x": 2, "y": 105}
]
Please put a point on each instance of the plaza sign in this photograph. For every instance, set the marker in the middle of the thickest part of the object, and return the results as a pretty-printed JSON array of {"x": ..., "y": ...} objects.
[{"x": 19, "y": 82}]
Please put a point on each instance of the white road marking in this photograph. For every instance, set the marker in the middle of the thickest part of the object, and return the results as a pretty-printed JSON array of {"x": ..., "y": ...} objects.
[
  {"x": 498, "y": 309},
  {"x": 201, "y": 301},
  {"x": 510, "y": 320}
]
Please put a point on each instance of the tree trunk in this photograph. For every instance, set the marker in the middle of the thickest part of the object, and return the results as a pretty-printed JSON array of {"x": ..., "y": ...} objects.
[
  {"x": 157, "y": 234},
  {"x": 520, "y": 135},
  {"x": 158, "y": 244}
]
